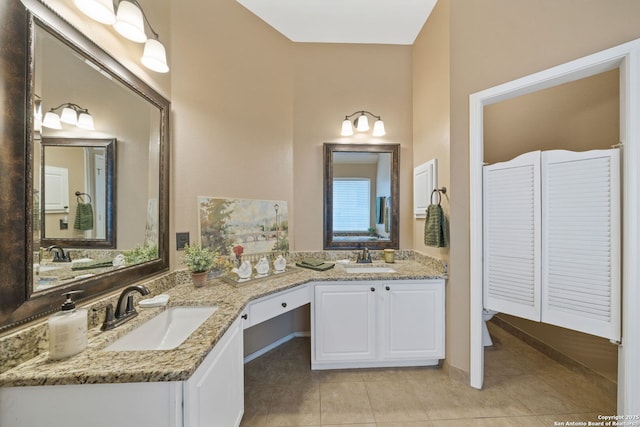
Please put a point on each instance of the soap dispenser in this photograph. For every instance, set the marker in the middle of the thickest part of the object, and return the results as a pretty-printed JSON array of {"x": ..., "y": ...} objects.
[{"x": 67, "y": 330}]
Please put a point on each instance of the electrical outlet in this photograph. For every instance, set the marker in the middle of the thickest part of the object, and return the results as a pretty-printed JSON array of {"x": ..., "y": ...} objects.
[
  {"x": 182, "y": 239},
  {"x": 64, "y": 225}
]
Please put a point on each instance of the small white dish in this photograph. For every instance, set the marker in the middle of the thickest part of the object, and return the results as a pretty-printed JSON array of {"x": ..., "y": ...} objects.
[
  {"x": 343, "y": 261},
  {"x": 157, "y": 301}
]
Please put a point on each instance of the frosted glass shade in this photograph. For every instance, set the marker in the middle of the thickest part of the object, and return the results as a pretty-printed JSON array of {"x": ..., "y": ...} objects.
[
  {"x": 85, "y": 121},
  {"x": 51, "y": 120},
  {"x": 347, "y": 129},
  {"x": 69, "y": 116},
  {"x": 378, "y": 128},
  {"x": 362, "y": 123},
  {"x": 129, "y": 22},
  {"x": 155, "y": 56},
  {"x": 99, "y": 10}
]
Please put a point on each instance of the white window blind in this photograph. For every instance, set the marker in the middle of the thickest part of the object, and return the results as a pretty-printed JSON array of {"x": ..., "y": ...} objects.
[{"x": 351, "y": 204}]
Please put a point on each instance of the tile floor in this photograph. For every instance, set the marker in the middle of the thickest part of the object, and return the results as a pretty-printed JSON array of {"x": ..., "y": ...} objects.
[{"x": 523, "y": 387}]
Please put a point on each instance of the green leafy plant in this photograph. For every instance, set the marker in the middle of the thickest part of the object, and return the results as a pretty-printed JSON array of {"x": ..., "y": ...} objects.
[
  {"x": 198, "y": 259},
  {"x": 141, "y": 254}
]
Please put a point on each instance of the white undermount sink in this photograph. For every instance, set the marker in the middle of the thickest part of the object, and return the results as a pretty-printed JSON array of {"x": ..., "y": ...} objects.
[
  {"x": 165, "y": 331},
  {"x": 369, "y": 270}
]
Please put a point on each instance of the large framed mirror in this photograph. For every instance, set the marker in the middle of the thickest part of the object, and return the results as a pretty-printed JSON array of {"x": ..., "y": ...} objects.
[
  {"x": 47, "y": 66},
  {"x": 77, "y": 184},
  {"x": 361, "y": 191}
]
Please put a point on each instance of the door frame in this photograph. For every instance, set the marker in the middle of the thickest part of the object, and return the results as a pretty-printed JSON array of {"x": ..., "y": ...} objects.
[{"x": 626, "y": 58}]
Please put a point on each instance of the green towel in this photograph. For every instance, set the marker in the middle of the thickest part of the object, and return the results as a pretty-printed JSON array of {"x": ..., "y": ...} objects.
[
  {"x": 320, "y": 267},
  {"x": 436, "y": 228},
  {"x": 314, "y": 262},
  {"x": 84, "y": 217}
]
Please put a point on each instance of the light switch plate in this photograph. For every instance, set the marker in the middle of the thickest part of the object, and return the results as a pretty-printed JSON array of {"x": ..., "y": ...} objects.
[{"x": 182, "y": 239}]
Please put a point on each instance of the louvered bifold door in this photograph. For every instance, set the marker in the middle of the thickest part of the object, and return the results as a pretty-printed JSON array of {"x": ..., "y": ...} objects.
[
  {"x": 511, "y": 209},
  {"x": 581, "y": 241}
]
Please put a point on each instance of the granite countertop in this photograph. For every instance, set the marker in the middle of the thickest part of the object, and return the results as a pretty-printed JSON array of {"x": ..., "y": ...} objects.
[{"x": 94, "y": 366}]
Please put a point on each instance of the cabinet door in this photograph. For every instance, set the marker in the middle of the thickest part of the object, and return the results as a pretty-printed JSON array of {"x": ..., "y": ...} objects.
[
  {"x": 214, "y": 395},
  {"x": 412, "y": 324},
  {"x": 345, "y": 322}
]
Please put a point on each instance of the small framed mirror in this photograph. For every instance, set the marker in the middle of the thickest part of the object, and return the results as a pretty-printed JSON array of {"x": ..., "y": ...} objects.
[
  {"x": 361, "y": 191},
  {"x": 78, "y": 182}
]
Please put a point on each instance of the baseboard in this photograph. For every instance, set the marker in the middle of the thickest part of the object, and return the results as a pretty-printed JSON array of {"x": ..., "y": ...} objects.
[
  {"x": 456, "y": 374},
  {"x": 275, "y": 344},
  {"x": 596, "y": 378}
]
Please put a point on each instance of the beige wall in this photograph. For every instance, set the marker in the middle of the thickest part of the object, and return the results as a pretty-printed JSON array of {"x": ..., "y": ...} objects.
[
  {"x": 334, "y": 80},
  {"x": 431, "y": 89},
  {"x": 431, "y": 129},
  {"x": 232, "y": 103},
  {"x": 493, "y": 42},
  {"x": 579, "y": 116}
]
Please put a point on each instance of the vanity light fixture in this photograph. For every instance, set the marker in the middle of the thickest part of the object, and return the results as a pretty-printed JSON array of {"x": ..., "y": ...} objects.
[
  {"x": 129, "y": 21},
  {"x": 71, "y": 114},
  {"x": 362, "y": 124}
]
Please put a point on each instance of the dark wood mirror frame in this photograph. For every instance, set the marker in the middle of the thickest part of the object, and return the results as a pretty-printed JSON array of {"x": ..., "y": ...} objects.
[
  {"x": 109, "y": 240},
  {"x": 18, "y": 302},
  {"x": 329, "y": 242}
]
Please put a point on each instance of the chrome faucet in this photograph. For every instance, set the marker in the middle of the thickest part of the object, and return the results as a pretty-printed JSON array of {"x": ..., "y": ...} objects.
[
  {"x": 364, "y": 257},
  {"x": 58, "y": 254},
  {"x": 125, "y": 309}
]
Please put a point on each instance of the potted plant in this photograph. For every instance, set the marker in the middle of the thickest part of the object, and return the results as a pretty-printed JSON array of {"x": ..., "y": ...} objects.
[{"x": 199, "y": 260}]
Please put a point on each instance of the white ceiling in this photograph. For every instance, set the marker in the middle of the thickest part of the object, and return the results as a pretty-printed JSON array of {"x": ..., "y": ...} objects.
[{"x": 344, "y": 21}]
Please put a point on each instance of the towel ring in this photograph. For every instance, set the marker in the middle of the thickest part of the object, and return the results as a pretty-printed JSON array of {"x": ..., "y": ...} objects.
[
  {"x": 440, "y": 191},
  {"x": 79, "y": 195}
]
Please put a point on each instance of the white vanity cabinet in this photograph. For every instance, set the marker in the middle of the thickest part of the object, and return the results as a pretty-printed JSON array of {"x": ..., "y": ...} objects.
[
  {"x": 378, "y": 323},
  {"x": 212, "y": 397}
]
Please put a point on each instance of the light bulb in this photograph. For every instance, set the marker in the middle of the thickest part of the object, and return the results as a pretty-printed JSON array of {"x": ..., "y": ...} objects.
[
  {"x": 362, "y": 123},
  {"x": 85, "y": 121},
  {"x": 347, "y": 129},
  {"x": 155, "y": 56},
  {"x": 51, "y": 120},
  {"x": 378, "y": 128},
  {"x": 69, "y": 116},
  {"x": 129, "y": 22},
  {"x": 99, "y": 10}
]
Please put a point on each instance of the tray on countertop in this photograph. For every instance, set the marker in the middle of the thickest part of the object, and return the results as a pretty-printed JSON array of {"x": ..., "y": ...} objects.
[{"x": 233, "y": 279}]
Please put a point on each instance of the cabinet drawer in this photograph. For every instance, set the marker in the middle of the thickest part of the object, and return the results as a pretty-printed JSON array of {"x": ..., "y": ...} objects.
[{"x": 277, "y": 304}]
